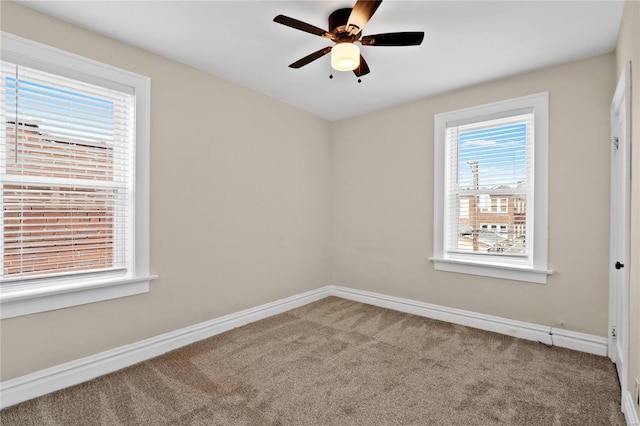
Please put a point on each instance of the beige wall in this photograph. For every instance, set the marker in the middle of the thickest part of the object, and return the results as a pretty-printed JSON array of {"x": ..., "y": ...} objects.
[
  {"x": 239, "y": 206},
  {"x": 383, "y": 202},
  {"x": 628, "y": 50}
]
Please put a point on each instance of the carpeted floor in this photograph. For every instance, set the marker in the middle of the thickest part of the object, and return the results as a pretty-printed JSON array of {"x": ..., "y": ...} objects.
[{"x": 338, "y": 362}]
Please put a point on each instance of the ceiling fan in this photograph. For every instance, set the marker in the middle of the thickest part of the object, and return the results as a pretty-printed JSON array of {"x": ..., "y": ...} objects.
[{"x": 345, "y": 30}]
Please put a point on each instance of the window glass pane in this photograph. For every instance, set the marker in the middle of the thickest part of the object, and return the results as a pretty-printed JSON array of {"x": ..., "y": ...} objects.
[
  {"x": 493, "y": 157},
  {"x": 491, "y": 186},
  {"x": 57, "y": 229},
  {"x": 65, "y": 162},
  {"x": 34, "y": 153}
]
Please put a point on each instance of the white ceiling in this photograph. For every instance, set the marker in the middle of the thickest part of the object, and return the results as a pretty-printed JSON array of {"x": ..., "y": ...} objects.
[{"x": 466, "y": 42}]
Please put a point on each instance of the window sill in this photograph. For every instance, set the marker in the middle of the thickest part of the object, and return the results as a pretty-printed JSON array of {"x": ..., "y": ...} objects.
[
  {"x": 24, "y": 301},
  {"x": 515, "y": 273}
]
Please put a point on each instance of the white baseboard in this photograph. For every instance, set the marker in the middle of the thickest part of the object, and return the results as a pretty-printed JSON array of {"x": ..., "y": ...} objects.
[
  {"x": 564, "y": 338},
  {"x": 628, "y": 408},
  {"x": 71, "y": 373}
]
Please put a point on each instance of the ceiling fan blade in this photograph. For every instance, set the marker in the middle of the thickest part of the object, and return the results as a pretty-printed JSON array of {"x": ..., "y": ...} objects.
[
  {"x": 362, "y": 11},
  {"x": 299, "y": 25},
  {"x": 394, "y": 39},
  {"x": 310, "y": 58},
  {"x": 362, "y": 69}
]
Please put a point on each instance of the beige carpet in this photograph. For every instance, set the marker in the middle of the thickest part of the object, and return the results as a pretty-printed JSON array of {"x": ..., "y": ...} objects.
[{"x": 337, "y": 362}]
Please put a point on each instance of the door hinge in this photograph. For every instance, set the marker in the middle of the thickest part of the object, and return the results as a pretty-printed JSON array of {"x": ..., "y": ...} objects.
[
  {"x": 613, "y": 332},
  {"x": 615, "y": 142}
]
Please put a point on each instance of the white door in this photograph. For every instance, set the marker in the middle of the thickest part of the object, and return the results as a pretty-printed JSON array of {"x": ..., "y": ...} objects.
[{"x": 619, "y": 228}]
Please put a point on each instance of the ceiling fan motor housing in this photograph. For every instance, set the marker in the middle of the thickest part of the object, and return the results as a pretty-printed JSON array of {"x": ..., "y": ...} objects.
[{"x": 338, "y": 26}]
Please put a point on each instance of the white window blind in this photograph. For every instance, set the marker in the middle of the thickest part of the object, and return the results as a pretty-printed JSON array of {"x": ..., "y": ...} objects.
[
  {"x": 65, "y": 167},
  {"x": 488, "y": 180}
]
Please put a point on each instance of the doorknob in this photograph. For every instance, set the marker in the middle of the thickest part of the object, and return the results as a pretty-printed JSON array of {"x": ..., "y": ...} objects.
[{"x": 619, "y": 265}]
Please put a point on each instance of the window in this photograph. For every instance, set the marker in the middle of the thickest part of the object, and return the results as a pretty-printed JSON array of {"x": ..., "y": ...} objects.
[
  {"x": 491, "y": 190},
  {"x": 488, "y": 204},
  {"x": 464, "y": 209},
  {"x": 494, "y": 227},
  {"x": 74, "y": 180}
]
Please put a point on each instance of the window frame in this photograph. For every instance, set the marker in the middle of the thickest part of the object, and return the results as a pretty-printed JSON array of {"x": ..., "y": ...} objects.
[
  {"x": 534, "y": 269},
  {"x": 48, "y": 293}
]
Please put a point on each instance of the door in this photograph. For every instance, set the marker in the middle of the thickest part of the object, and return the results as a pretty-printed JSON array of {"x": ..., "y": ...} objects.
[{"x": 619, "y": 228}]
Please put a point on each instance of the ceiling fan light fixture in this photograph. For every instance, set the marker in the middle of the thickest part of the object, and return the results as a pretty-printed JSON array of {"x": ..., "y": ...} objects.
[{"x": 345, "y": 57}]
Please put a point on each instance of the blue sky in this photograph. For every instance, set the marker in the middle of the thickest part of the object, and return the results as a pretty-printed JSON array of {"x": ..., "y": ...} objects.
[
  {"x": 51, "y": 106},
  {"x": 500, "y": 152}
]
